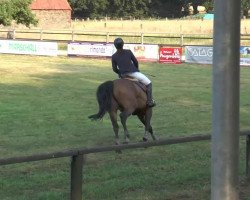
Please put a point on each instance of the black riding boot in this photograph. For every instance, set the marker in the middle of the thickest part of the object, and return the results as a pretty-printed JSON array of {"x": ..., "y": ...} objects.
[{"x": 150, "y": 100}]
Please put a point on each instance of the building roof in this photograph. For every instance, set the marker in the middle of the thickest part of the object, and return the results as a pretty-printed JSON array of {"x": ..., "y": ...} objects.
[{"x": 50, "y": 5}]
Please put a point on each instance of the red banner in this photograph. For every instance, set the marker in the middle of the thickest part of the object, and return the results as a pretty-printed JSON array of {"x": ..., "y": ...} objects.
[{"x": 170, "y": 55}]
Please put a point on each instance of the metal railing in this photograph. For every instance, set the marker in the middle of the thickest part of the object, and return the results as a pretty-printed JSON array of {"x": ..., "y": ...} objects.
[{"x": 78, "y": 156}]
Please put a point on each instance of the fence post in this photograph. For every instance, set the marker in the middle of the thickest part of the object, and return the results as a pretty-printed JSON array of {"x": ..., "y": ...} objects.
[
  {"x": 107, "y": 37},
  {"x": 182, "y": 38},
  {"x": 76, "y": 177},
  {"x": 41, "y": 34},
  {"x": 248, "y": 157},
  {"x": 142, "y": 38},
  {"x": 73, "y": 36},
  {"x": 14, "y": 34}
]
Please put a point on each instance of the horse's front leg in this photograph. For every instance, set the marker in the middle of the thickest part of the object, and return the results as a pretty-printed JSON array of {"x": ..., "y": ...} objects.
[{"x": 124, "y": 116}]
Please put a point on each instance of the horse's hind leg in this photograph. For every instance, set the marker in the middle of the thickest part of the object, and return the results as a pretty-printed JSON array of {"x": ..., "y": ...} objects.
[
  {"x": 113, "y": 117},
  {"x": 145, "y": 119},
  {"x": 124, "y": 116},
  {"x": 148, "y": 127}
]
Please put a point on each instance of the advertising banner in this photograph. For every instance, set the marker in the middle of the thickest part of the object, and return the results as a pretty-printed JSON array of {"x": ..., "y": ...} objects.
[
  {"x": 29, "y": 47},
  {"x": 245, "y": 55},
  {"x": 170, "y": 55},
  {"x": 199, "y": 54},
  {"x": 143, "y": 52},
  {"x": 90, "y": 49},
  {"x": 204, "y": 55}
]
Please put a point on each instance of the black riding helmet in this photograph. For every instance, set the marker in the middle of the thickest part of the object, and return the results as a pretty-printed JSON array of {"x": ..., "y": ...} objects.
[{"x": 118, "y": 42}]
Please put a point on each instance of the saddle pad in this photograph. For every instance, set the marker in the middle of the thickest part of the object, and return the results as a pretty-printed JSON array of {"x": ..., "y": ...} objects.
[
  {"x": 131, "y": 79},
  {"x": 141, "y": 85}
]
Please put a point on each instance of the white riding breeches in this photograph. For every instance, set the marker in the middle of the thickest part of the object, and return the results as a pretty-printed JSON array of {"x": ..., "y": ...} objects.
[{"x": 140, "y": 77}]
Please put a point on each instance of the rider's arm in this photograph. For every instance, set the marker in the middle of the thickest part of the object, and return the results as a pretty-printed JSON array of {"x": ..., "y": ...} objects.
[
  {"x": 135, "y": 61},
  {"x": 115, "y": 67}
]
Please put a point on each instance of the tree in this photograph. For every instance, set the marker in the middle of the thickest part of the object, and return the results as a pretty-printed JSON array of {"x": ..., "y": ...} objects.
[
  {"x": 5, "y": 13},
  {"x": 245, "y": 6},
  {"x": 111, "y": 8},
  {"x": 17, "y": 10},
  {"x": 209, "y": 5},
  {"x": 140, "y": 8},
  {"x": 89, "y": 8},
  {"x": 196, "y": 3}
]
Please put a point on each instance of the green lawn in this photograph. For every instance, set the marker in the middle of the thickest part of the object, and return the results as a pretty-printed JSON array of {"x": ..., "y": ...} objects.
[{"x": 44, "y": 104}]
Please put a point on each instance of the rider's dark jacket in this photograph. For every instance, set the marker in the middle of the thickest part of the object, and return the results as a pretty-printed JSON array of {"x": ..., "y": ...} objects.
[{"x": 124, "y": 61}]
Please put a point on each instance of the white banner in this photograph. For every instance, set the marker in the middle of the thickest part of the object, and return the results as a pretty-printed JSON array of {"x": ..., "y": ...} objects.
[
  {"x": 145, "y": 52},
  {"x": 29, "y": 47},
  {"x": 141, "y": 52},
  {"x": 89, "y": 49}
]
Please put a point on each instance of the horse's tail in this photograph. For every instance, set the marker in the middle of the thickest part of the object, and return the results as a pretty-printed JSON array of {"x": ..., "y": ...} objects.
[{"x": 104, "y": 97}]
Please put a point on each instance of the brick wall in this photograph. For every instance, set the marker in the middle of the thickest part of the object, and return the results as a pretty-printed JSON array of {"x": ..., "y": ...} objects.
[{"x": 53, "y": 18}]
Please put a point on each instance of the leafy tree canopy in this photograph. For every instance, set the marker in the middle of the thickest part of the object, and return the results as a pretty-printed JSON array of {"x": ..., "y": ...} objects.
[
  {"x": 139, "y": 8},
  {"x": 17, "y": 10},
  {"x": 129, "y": 8}
]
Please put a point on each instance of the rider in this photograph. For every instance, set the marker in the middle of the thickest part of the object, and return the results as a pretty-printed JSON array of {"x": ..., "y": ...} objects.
[{"x": 124, "y": 63}]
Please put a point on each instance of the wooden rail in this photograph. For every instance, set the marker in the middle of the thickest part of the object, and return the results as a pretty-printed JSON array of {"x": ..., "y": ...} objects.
[
  {"x": 106, "y": 36},
  {"x": 65, "y": 36},
  {"x": 78, "y": 156}
]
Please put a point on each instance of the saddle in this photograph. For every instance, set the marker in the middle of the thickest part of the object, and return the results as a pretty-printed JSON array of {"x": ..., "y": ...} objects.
[{"x": 141, "y": 85}]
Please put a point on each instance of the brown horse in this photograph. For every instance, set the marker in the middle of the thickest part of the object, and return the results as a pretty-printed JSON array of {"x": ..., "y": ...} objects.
[{"x": 128, "y": 97}]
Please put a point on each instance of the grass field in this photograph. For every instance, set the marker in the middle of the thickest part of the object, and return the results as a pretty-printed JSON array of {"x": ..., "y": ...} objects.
[
  {"x": 44, "y": 104},
  {"x": 154, "y": 31},
  {"x": 186, "y": 26},
  {"x": 159, "y": 26}
]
